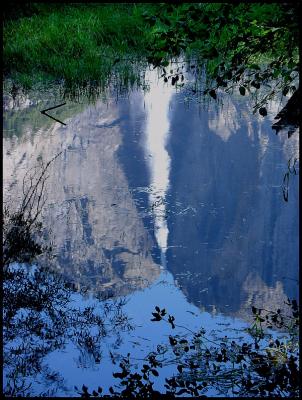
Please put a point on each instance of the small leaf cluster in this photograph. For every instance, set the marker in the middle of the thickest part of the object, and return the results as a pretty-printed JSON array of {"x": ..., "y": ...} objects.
[
  {"x": 263, "y": 368},
  {"x": 159, "y": 316},
  {"x": 132, "y": 384},
  {"x": 243, "y": 46}
]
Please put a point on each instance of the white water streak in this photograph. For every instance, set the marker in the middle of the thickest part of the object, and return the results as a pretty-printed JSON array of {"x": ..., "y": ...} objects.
[{"x": 157, "y": 101}]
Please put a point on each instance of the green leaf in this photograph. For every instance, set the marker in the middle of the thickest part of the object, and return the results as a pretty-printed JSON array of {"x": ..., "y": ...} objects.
[{"x": 255, "y": 66}]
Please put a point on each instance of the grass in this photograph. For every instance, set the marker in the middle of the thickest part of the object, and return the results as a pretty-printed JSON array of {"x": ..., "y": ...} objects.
[
  {"x": 88, "y": 48},
  {"x": 83, "y": 44}
]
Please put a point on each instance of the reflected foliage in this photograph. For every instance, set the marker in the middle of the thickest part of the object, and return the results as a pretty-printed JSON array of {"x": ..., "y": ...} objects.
[
  {"x": 39, "y": 318},
  {"x": 264, "y": 366},
  {"x": 39, "y": 314},
  {"x": 22, "y": 228}
]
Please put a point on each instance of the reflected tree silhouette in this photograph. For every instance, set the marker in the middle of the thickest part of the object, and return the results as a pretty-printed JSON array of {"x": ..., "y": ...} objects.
[
  {"x": 39, "y": 316},
  {"x": 260, "y": 366},
  {"x": 22, "y": 229}
]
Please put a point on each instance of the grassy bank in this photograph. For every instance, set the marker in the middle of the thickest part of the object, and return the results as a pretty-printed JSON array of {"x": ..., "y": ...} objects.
[
  {"x": 75, "y": 44},
  {"x": 244, "y": 47}
]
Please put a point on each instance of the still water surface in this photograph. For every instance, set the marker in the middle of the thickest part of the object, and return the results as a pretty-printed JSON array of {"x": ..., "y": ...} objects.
[{"x": 157, "y": 200}]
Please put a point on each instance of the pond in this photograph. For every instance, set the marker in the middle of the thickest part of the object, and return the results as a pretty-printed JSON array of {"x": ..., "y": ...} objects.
[{"x": 156, "y": 200}]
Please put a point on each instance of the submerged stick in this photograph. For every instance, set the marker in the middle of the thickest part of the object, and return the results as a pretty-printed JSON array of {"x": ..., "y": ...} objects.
[{"x": 52, "y": 108}]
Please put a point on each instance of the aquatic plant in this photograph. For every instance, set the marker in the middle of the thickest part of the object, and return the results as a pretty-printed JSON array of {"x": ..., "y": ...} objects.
[{"x": 263, "y": 367}]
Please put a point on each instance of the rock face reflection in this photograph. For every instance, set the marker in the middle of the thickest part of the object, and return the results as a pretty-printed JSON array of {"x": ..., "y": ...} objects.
[
  {"x": 100, "y": 240},
  {"x": 238, "y": 239},
  {"x": 228, "y": 236}
]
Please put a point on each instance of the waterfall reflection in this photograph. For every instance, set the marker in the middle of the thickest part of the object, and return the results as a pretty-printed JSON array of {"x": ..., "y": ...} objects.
[{"x": 157, "y": 101}]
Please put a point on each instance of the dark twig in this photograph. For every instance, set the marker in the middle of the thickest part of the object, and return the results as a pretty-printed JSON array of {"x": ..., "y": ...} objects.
[{"x": 52, "y": 108}]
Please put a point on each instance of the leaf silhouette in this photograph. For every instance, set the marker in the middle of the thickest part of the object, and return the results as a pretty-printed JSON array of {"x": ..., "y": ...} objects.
[
  {"x": 263, "y": 111},
  {"x": 242, "y": 90},
  {"x": 212, "y": 93}
]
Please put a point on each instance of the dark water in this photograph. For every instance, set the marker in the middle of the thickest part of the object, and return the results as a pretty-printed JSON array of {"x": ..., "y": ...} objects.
[{"x": 157, "y": 200}]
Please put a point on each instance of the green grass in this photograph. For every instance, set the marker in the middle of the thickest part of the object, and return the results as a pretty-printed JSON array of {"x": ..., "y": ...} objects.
[
  {"x": 77, "y": 45},
  {"x": 87, "y": 48}
]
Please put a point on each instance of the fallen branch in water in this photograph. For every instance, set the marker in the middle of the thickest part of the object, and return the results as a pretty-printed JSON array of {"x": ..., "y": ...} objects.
[{"x": 52, "y": 108}]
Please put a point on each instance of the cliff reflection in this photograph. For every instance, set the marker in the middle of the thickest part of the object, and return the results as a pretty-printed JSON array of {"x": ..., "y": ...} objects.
[
  {"x": 237, "y": 242},
  {"x": 101, "y": 243},
  {"x": 229, "y": 237}
]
